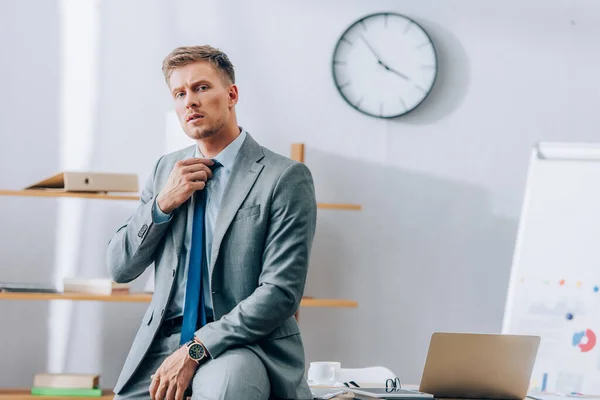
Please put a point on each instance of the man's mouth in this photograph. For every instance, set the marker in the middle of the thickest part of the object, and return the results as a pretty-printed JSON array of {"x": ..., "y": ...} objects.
[{"x": 194, "y": 117}]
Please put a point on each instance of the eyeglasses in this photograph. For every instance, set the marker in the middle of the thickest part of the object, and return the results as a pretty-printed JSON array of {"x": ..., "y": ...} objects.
[{"x": 392, "y": 385}]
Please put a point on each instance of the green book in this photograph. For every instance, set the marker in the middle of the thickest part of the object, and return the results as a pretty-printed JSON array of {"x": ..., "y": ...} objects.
[{"x": 42, "y": 391}]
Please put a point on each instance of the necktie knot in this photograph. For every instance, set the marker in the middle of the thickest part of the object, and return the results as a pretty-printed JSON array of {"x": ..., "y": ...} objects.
[{"x": 215, "y": 166}]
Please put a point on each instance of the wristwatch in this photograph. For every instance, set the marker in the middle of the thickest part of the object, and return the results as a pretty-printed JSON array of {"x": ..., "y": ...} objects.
[{"x": 196, "y": 350}]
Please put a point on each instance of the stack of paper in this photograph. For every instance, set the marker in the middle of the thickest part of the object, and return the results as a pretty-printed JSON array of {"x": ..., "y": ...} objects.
[
  {"x": 95, "y": 286},
  {"x": 84, "y": 385},
  {"x": 27, "y": 287}
]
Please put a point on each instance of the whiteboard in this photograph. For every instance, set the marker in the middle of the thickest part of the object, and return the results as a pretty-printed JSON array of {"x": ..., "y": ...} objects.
[{"x": 555, "y": 277}]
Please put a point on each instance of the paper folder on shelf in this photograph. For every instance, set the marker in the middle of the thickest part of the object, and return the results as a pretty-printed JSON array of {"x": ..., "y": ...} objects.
[
  {"x": 71, "y": 181},
  {"x": 66, "y": 381},
  {"x": 95, "y": 286}
]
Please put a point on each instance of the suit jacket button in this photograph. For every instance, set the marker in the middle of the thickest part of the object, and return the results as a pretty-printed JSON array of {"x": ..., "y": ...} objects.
[{"x": 143, "y": 230}]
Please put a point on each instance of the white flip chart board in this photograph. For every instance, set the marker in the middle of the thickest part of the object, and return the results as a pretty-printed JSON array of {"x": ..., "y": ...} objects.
[{"x": 555, "y": 278}]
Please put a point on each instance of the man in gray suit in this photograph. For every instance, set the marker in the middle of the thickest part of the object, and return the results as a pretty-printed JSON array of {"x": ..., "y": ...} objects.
[{"x": 229, "y": 227}]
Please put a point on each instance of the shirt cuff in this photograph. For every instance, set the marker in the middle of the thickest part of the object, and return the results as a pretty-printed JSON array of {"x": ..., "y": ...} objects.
[{"x": 158, "y": 216}]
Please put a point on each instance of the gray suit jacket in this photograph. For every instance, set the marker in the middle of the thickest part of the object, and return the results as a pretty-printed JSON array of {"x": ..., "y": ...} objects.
[{"x": 262, "y": 242}]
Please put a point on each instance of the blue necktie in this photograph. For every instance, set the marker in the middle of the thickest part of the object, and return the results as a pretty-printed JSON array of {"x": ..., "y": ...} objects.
[{"x": 194, "y": 301}]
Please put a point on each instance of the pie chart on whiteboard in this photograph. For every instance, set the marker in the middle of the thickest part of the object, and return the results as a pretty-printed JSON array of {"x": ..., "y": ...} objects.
[{"x": 585, "y": 340}]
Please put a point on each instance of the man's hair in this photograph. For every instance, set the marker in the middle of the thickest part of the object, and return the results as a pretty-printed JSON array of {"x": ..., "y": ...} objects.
[{"x": 185, "y": 55}]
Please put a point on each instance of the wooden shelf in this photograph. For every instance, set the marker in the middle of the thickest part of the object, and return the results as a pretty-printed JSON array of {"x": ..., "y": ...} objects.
[
  {"x": 335, "y": 206},
  {"x": 127, "y": 298},
  {"x": 146, "y": 297},
  {"x": 108, "y": 196},
  {"x": 331, "y": 303},
  {"x": 44, "y": 193},
  {"x": 25, "y": 394}
]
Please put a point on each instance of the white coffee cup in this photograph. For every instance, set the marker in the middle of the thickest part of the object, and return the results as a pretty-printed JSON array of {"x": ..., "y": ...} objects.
[{"x": 324, "y": 372}]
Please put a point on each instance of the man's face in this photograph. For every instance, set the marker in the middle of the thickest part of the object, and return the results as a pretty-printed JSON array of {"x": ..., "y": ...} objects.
[{"x": 203, "y": 100}]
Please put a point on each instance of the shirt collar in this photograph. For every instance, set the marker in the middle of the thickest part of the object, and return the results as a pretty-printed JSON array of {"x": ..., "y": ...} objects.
[{"x": 227, "y": 156}]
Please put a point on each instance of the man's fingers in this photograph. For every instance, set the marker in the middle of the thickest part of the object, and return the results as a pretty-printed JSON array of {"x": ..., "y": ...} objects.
[
  {"x": 195, "y": 168},
  {"x": 199, "y": 185},
  {"x": 195, "y": 160},
  {"x": 154, "y": 386},
  {"x": 179, "y": 393},
  {"x": 171, "y": 392},
  {"x": 198, "y": 176},
  {"x": 162, "y": 391}
]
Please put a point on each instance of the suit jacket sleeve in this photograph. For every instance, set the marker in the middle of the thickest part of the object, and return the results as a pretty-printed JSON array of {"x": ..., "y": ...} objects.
[
  {"x": 131, "y": 249},
  {"x": 286, "y": 255}
]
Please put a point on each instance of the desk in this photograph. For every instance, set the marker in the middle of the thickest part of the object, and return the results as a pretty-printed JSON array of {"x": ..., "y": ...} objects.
[
  {"x": 415, "y": 387},
  {"x": 409, "y": 387}
]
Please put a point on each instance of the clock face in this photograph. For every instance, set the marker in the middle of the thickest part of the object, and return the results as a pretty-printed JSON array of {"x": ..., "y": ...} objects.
[
  {"x": 384, "y": 65},
  {"x": 196, "y": 351}
]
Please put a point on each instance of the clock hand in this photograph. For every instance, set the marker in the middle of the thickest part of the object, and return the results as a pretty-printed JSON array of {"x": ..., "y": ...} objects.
[
  {"x": 384, "y": 65},
  {"x": 372, "y": 50},
  {"x": 392, "y": 70}
]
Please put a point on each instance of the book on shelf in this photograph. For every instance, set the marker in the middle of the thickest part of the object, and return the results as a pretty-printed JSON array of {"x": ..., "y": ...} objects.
[
  {"x": 95, "y": 286},
  {"x": 27, "y": 287},
  {"x": 66, "y": 381},
  {"x": 86, "y": 181},
  {"x": 43, "y": 391}
]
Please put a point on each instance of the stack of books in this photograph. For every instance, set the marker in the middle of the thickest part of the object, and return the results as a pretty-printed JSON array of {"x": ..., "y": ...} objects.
[
  {"x": 84, "y": 385},
  {"x": 95, "y": 286},
  {"x": 27, "y": 287}
]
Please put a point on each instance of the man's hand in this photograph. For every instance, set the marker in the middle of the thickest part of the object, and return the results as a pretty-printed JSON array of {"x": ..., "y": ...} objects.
[
  {"x": 187, "y": 177},
  {"x": 173, "y": 376}
]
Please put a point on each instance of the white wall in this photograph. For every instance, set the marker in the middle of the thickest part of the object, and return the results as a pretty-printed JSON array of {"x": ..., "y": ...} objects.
[
  {"x": 441, "y": 188},
  {"x": 29, "y": 117}
]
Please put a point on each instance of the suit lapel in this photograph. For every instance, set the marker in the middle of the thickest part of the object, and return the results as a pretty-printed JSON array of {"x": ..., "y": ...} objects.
[
  {"x": 243, "y": 176},
  {"x": 185, "y": 219}
]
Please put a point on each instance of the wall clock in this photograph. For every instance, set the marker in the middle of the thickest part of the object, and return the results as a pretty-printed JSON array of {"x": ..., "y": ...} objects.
[{"x": 384, "y": 65}]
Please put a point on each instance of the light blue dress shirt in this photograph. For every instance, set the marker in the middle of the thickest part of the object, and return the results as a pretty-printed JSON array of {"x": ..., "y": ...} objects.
[{"x": 214, "y": 190}]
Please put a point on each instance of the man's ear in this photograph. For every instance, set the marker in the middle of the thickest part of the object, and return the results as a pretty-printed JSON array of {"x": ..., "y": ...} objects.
[{"x": 233, "y": 95}]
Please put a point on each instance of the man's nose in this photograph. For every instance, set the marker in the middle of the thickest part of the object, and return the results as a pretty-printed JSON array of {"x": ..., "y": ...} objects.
[{"x": 192, "y": 101}]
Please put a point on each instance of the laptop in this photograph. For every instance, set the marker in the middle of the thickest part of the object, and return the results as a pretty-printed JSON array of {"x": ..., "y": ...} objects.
[
  {"x": 69, "y": 181},
  {"x": 479, "y": 366}
]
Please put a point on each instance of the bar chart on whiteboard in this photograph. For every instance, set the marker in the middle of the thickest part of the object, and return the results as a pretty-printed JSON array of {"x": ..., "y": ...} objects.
[{"x": 555, "y": 277}]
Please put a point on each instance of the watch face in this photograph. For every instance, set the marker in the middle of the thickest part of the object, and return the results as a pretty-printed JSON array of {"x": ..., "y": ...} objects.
[
  {"x": 384, "y": 65},
  {"x": 196, "y": 351}
]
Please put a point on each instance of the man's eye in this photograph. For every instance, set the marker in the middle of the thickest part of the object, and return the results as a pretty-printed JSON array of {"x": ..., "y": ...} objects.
[
  {"x": 179, "y": 95},
  {"x": 202, "y": 88}
]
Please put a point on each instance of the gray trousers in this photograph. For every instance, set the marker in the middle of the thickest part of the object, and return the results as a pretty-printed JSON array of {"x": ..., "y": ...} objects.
[{"x": 236, "y": 374}]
